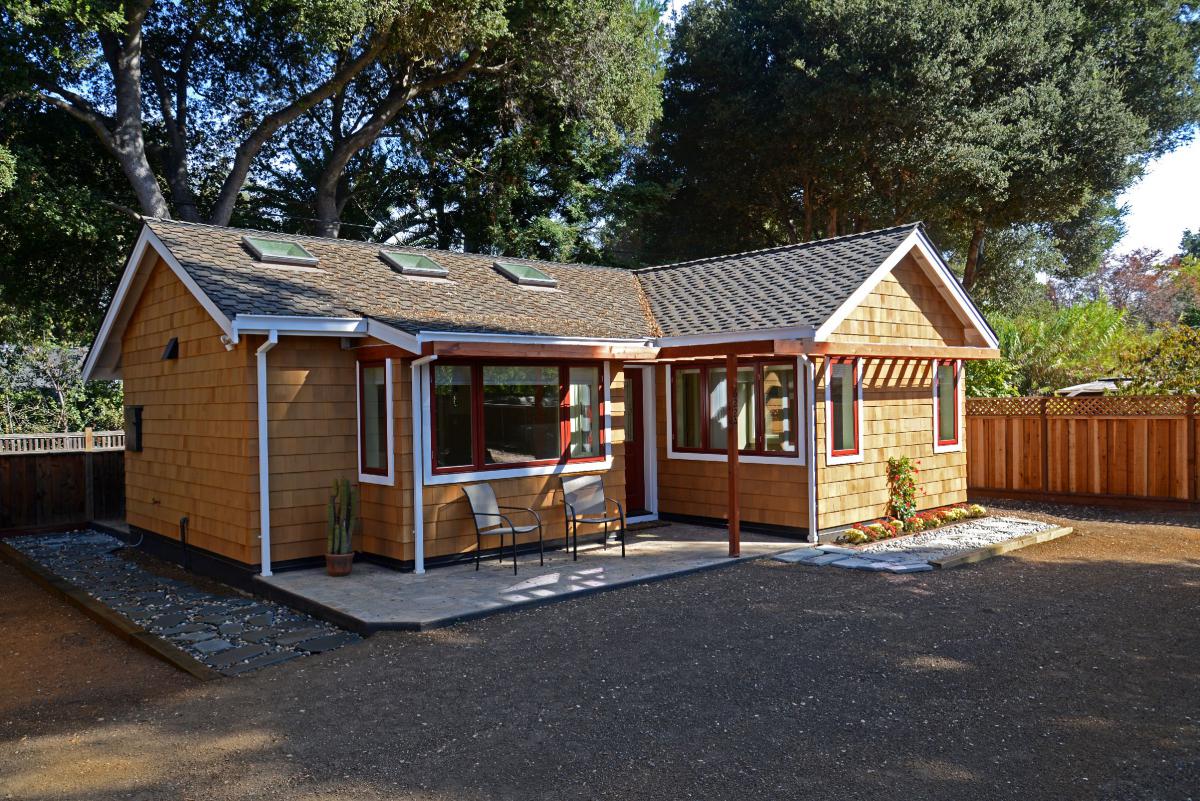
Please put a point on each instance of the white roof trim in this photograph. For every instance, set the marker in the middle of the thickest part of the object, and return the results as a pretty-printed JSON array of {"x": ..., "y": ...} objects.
[
  {"x": 525, "y": 339},
  {"x": 298, "y": 324},
  {"x": 98, "y": 367},
  {"x": 936, "y": 269}
]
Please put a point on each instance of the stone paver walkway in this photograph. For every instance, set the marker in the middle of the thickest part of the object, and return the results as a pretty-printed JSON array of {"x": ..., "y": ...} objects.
[
  {"x": 380, "y": 598},
  {"x": 916, "y": 553},
  {"x": 231, "y": 633}
]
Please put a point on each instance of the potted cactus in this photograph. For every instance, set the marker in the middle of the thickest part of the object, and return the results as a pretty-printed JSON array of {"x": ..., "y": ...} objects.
[{"x": 339, "y": 550}]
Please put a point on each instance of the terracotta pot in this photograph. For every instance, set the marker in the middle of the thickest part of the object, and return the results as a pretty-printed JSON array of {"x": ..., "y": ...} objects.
[{"x": 338, "y": 564}]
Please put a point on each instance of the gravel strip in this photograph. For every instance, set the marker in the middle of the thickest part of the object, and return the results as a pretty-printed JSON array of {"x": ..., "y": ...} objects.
[
  {"x": 227, "y": 631},
  {"x": 958, "y": 537}
]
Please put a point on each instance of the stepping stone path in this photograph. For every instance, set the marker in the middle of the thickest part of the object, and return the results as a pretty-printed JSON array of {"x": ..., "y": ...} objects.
[
  {"x": 232, "y": 633},
  {"x": 915, "y": 553}
]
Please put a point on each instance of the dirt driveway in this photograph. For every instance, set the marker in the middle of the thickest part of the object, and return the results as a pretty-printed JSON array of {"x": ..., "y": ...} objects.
[{"x": 1069, "y": 670}]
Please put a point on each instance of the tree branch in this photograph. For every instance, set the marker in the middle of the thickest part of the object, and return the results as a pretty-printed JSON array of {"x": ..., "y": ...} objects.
[{"x": 249, "y": 149}]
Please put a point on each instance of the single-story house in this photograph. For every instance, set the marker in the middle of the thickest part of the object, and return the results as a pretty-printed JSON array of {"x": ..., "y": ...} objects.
[{"x": 260, "y": 367}]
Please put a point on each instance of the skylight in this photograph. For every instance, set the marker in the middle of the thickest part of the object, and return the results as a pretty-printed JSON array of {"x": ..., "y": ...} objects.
[
  {"x": 413, "y": 264},
  {"x": 524, "y": 275},
  {"x": 278, "y": 251}
]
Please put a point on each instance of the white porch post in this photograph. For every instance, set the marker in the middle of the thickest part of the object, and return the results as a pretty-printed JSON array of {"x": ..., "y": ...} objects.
[
  {"x": 264, "y": 462},
  {"x": 810, "y": 444},
  {"x": 417, "y": 404}
]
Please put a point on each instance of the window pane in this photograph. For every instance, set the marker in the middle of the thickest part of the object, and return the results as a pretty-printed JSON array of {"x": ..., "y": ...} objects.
[
  {"x": 717, "y": 410},
  {"x": 520, "y": 414},
  {"x": 841, "y": 396},
  {"x": 374, "y": 412},
  {"x": 947, "y": 424},
  {"x": 779, "y": 399},
  {"x": 452, "y": 414},
  {"x": 688, "y": 404},
  {"x": 583, "y": 397}
]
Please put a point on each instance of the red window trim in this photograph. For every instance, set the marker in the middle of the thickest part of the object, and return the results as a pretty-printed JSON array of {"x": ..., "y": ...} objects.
[
  {"x": 760, "y": 432},
  {"x": 477, "y": 433},
  {"x": 937, "y": 411},
  {"x": 853, "y": 362},
  {"x": 362, "y": 420}
]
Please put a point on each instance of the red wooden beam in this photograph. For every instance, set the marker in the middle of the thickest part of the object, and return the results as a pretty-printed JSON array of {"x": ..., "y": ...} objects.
[{"x": 731, "y": 444}]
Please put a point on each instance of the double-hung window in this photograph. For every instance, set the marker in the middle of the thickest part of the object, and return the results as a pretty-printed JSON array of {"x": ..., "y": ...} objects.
[
  {"x": 843, "y": 390},
  {"x": 503, "y": 415},
  {"x": 767, "y": 409},
  {"x": 946, "y": 417},
  {"x": 375, "y": 455}
]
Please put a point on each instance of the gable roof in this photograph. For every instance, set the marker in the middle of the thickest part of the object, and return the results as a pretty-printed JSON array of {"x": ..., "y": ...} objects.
[
  {"x": 791, "y": 292},
  {"x": 794, "y": 286},
  {"x": 350, "y": 280}
]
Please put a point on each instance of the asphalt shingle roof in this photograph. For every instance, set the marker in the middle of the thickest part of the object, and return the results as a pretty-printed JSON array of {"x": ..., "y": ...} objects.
[
  {"x": 794, "y": 285},
  {"x": 789, "y": 286},
  {"x": 350, "y": 280}
]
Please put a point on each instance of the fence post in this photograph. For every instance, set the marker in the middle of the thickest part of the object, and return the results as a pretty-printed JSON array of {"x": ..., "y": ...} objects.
[
  {"x": 1193, "y": 482},
  {"x": 1045, "y": 446},
  {"x": 89, "y": 481}
]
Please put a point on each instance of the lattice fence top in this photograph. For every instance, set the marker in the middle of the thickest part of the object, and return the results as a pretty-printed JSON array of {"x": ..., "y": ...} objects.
[
  {"x": 1004, "y": 407},
  {"x": 1103, "y": 406}
]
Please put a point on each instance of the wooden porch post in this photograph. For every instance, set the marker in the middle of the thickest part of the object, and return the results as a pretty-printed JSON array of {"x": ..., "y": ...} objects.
[{"x": 731, "y": 445}]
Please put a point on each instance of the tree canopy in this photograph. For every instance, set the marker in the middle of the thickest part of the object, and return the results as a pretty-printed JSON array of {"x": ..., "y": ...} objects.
[
  {"x": 787, "y": 120},
  {"x": 191, "y": 98}
]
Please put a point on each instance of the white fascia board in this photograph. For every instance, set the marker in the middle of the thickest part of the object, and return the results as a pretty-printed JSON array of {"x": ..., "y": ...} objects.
[
  {"x": 941, "y": 274},
  {"x": 393, "y": 336},
  {"x": 298, "y": 324},
  {"x": 115, "y": 317},
  {"x": 721, "y": 337},
  {"x": 525, "y": 339}
]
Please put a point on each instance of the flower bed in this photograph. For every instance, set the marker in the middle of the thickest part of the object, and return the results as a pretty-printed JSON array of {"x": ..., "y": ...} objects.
[{"x": 890, "y": 527}]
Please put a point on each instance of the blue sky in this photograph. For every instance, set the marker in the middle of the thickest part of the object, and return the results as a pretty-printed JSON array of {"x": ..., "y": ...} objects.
[{"x": 1164, "y": 202}]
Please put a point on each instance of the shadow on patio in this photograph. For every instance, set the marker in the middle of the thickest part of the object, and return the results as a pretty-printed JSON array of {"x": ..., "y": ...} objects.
[{"x": 373, "y": 598}]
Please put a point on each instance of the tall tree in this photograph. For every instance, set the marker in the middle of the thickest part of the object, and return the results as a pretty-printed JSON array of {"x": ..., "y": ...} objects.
[
  {"x": 172, "y": 88},
  {"x": 786, "y": 120}
]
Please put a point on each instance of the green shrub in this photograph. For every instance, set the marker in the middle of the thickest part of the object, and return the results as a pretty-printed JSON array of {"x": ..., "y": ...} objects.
[
  {"x": 975, "y": 510},
  {"x": 914, "y": 524},
  {"x": 852, "y": 537}
]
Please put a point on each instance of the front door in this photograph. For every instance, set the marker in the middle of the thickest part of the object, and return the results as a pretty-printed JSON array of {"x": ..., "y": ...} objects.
[{"x": 635, "y": 448}]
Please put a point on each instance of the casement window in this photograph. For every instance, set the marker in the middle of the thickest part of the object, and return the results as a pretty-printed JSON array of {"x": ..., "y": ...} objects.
[
  {"x": 947, "y": 419},
  {"x": 503, "y": 415},
  {"x": 767, "y": 409},
  {"x": 375, "y": 452},
  {"x": 843, "y": 404}
]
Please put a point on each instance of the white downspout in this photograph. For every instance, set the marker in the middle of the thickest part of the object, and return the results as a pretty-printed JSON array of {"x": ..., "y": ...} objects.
[
  {"x": 264, "y": 462},
  {"x": 418, "y": 450},
  {"x": 810, "y": 445}
]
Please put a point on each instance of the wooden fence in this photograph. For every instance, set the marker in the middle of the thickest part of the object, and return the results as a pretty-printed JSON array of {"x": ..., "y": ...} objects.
[
  {"x": 86, "y": 440},
  {"x": 46, "y": 490},
  {"x": 1113, "y": 448}
]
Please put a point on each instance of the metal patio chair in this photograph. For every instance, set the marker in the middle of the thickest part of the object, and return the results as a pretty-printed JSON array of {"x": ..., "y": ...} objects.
[
  {"x": 586, "y": 503},
  {"x": 490, "y": 521}
]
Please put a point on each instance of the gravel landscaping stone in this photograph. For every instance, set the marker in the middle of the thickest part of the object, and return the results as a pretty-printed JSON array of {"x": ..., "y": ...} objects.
[
  {"x": 915, "y": 553},
  {"x": 217, "y": 627}
]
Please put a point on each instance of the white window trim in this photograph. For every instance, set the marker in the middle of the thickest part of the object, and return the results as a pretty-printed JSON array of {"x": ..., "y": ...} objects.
[
  {"x": 432, "y": 479},
  {"x": 961, "y": 422},
  {"x": 797, "y": 460},
  {"x": 370, "y": 478},
  {"x": 849, "y": 458}
]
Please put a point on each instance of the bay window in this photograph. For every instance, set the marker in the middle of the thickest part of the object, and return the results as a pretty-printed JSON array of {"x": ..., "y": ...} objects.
[
  {"x": 767, "y": 409},
  {"x": 842, "y": 389},
  {"x": 499, "y": 415},
  {"x": 945, "y": 404}
]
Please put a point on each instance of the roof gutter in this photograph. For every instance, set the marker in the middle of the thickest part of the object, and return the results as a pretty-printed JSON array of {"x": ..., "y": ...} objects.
[{"x": 264, "y": 462}]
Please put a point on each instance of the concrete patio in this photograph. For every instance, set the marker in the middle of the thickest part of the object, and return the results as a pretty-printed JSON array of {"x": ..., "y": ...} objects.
[{"x": 375, "y": 598}]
